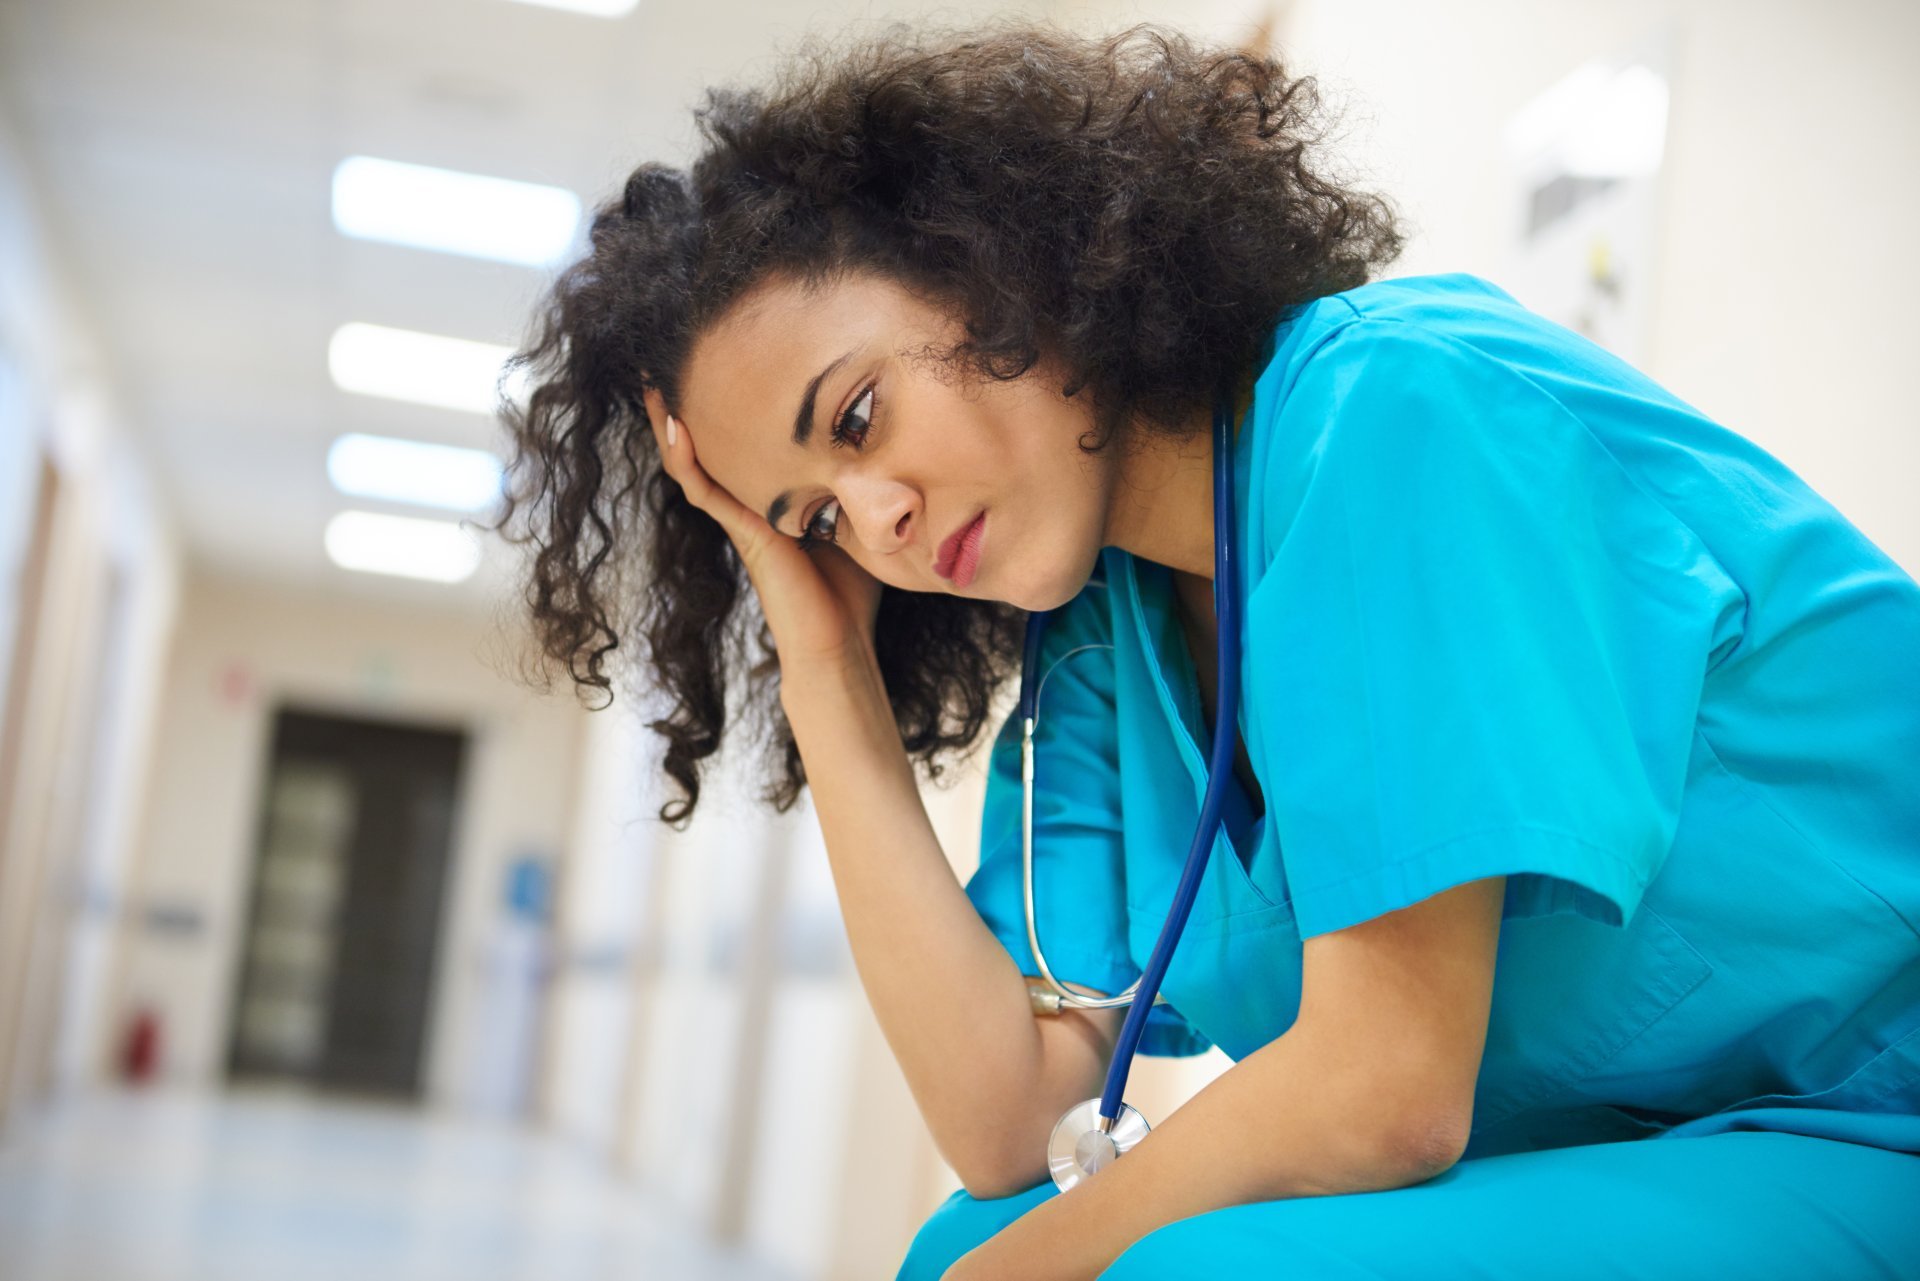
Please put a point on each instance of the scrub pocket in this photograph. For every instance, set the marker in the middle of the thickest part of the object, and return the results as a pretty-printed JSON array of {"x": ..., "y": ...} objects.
[
  {"x": 1575, "y": 1003},
  {"x": 1235, "y": 974},
  {"x": 1887, "y": 1082},
  {"x": 1822, "y": 998},
  {"x": 1236, "y": 978}
]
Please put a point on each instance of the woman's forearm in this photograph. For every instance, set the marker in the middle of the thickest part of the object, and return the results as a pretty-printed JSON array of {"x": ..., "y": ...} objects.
[
  {"x": 950, "y": 1001},
  {"x": 1305, "y": 1115}
]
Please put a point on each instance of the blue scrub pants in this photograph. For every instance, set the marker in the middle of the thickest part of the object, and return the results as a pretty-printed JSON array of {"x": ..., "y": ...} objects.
[{"x": 1756, "y": 1205}]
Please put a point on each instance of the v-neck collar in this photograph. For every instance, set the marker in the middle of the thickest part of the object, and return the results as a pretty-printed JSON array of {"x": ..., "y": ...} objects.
[{"x": 1147, "y": 588}]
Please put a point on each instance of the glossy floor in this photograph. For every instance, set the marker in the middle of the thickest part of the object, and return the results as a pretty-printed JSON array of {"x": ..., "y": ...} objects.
[{"x": 250, "y": 1184}]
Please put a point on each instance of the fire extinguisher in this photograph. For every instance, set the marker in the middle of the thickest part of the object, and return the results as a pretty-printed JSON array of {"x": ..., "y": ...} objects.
[{"x": 140, "y": 1054}]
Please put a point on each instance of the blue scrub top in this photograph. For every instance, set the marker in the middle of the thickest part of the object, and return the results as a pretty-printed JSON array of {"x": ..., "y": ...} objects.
[{"x": 1511, "y": 609}]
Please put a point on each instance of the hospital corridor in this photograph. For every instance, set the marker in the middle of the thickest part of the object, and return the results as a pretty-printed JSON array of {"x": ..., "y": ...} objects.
[{"x": 343, "y": 937}]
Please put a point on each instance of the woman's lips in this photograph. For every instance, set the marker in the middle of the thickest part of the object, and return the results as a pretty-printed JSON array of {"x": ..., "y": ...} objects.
[
  {"x": 968, "y": 561},
  {"x": 948, "y": 562}
]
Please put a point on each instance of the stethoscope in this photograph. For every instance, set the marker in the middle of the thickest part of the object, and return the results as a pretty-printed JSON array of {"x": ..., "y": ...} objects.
[{"x": 1093, "y": 1134}]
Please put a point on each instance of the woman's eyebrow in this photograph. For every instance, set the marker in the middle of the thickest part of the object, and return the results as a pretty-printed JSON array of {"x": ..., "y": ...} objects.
[
  {"x": 803, "y": 421},
  {"x": 802, "y": 433}
]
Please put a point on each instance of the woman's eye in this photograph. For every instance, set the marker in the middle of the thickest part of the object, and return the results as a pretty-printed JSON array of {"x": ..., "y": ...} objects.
[
  {"x": 814, "y": 532},
  {"x": 852, "y": 427}
]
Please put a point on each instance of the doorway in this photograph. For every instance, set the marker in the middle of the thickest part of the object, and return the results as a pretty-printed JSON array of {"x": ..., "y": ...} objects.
[{"x": 337, "y": 969}]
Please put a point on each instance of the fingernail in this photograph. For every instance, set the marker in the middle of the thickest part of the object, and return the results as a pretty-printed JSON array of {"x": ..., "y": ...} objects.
[{"x": 673, "y": 431}]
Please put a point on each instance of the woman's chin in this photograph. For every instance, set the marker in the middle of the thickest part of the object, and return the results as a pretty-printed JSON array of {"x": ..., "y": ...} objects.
[{"x": 1056, "y": 589}]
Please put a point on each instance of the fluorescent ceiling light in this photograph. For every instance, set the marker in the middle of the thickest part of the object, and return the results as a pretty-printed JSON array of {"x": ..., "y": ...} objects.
[
  {"x": 454, "y": 213},
  {"x": 407, "y": 546},
  {"x": 426, "y": 369},
  {"x": 410, "y": 471},
  {"x": 594, "y": 8}
]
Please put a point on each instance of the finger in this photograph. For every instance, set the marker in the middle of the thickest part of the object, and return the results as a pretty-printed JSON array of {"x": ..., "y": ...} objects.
[
  {"x": 746, "y": 527},
  {"x": 676, "y": 450},
  {"x": 656, "y": 406},
  {"x": 702, "y": 490}
]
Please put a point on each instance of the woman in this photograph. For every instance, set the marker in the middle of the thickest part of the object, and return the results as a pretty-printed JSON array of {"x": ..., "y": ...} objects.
[{"x": 1564, "y": 921}]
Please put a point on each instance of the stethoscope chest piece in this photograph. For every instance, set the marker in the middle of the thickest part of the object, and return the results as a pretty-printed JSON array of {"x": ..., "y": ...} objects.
[{"x": 1081, "y": 1146}]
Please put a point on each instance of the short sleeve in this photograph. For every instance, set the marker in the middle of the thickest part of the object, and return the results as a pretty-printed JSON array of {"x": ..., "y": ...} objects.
[
  {"x": 1480, "y": 645},
  {"x": 1079, "y": 864}
]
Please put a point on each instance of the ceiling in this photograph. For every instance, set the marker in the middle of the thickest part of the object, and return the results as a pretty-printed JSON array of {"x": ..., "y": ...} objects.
[{"x": 184, "y": 151}]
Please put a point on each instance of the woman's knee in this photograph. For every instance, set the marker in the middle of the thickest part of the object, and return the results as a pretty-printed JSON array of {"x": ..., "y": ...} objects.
[
  {"x": 961, "y": 1223},
  {"x": 1229, "y": 1243}
]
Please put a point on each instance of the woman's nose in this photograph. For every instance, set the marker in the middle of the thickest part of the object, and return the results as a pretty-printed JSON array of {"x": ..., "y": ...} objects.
[{"x": 883, "y": 516}]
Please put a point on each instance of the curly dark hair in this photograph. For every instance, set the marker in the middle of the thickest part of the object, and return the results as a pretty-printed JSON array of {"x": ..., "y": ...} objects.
[{"x": 1138, "y": 209}]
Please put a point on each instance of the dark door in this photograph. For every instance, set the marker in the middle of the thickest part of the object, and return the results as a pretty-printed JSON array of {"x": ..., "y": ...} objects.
[{"x": 337, "y": 975}]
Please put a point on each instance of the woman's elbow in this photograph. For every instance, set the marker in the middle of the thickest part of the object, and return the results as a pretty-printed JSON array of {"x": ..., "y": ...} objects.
[{"x": 1424, "y": 1148}]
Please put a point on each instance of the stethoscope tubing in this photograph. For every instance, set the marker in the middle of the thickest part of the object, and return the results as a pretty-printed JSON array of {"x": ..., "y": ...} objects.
[{"x": 1145, "y": 992}]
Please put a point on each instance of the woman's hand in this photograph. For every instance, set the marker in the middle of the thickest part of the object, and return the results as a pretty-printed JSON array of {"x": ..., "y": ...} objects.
[{"x": 820, "y": 605}]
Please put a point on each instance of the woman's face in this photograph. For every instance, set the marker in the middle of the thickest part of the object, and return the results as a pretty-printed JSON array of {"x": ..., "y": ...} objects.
[{"x": 901, "y": 453}]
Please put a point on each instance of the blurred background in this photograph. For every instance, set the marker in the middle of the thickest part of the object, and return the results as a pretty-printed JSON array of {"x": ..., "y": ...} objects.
[{"x": 328, "y": 949}]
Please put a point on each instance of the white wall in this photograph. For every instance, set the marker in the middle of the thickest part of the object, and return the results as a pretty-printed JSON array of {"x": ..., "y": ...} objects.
[
  {"x": 603, "y": 893},
  {"x": 710, "y": 1033},
  {"x": 107, "y": 605},
  {"x": 244, "y": 648},
  {"x": 702, "y": 1035}
]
